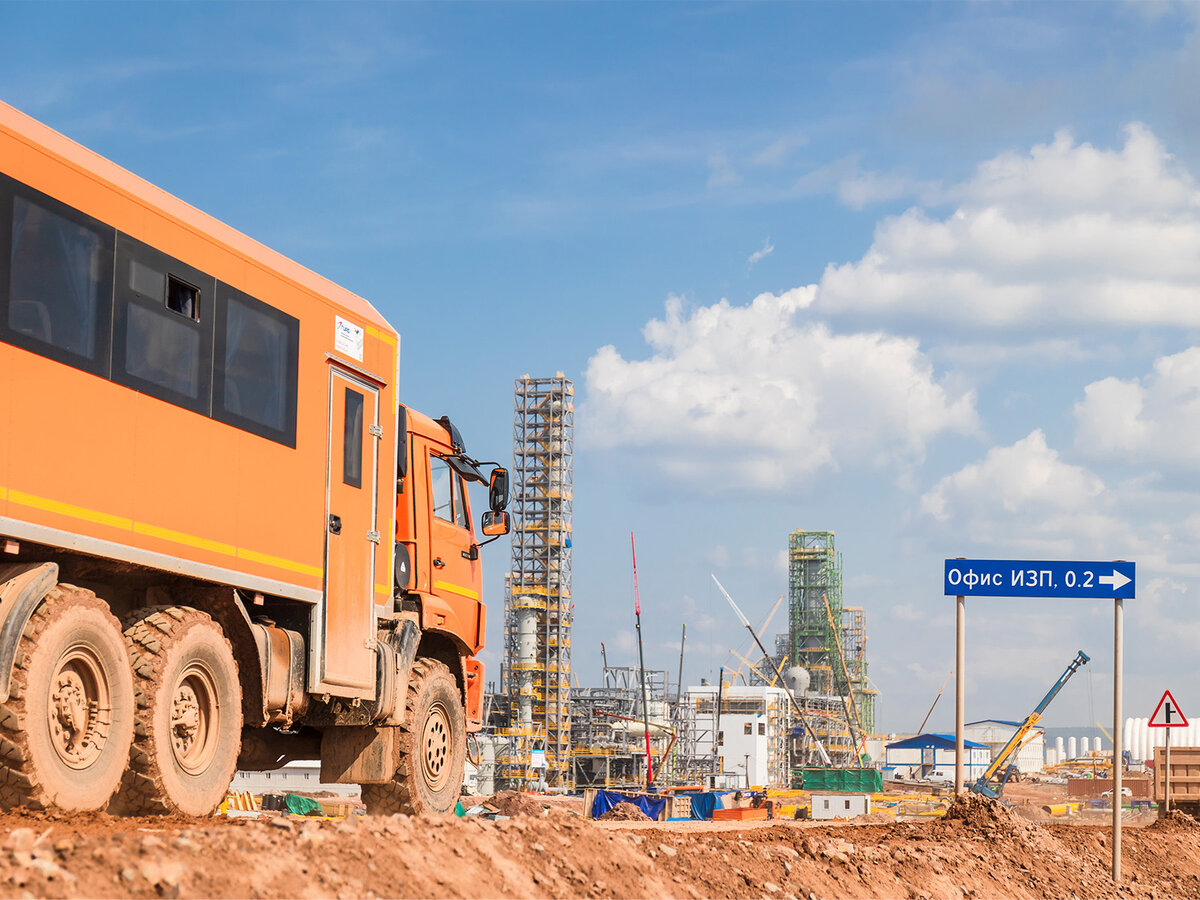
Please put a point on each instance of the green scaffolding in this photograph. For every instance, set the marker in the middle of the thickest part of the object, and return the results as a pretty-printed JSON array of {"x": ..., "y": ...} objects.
[{"x": 818, "y": 624}]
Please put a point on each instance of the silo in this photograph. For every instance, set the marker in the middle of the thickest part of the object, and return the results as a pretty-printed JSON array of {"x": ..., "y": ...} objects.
[
  {"x": 1072, "y": 747},
  {"x": 1060, "y": 750}
]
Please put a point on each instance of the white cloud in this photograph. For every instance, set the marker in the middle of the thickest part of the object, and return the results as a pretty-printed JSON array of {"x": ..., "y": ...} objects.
[
  {"x": 759, "y": 255},
  {"x": 865, "y": 188},
  {"x": 1065, "y": 233},
  {"x": 1023, "y": 497},
  {"x": 761, "y": 395},
  {"x": 1154, "y": 419}
]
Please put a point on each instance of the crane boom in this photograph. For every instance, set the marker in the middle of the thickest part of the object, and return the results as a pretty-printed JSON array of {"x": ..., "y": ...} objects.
[{"x": 1014, "y": 743}]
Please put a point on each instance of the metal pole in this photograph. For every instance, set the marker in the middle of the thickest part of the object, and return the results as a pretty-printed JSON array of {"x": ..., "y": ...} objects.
[
  {"x": 1118, "y": 750},
  {"x": 679, "y": 683},
  {"x": 1167, "y": 774},
  {"x": 959, "y": 691}
]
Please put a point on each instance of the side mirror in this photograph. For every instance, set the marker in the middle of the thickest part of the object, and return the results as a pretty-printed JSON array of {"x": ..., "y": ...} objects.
[
  {"x": 498, "y": 492},
  {"x": 495, "y": 523}
]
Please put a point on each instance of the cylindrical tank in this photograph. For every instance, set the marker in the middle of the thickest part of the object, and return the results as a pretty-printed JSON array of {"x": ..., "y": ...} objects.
[
  {"x": 1060, "y": 749},
  {"x": 487, "y": 765},
  {"x": 1072, "y": 747},
  {"x": 1127, "y": 736},
  {"x": 797, "y": 679},
  {"x": 526, "y": 660},
  {"x": 1085, "y": 746}
]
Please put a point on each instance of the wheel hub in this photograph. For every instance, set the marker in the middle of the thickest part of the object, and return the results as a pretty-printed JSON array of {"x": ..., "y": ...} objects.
[
  {"x": 79, "y": 708},
  {"x": 435, "y": 746},
  {"x": 194, "y": 719}
]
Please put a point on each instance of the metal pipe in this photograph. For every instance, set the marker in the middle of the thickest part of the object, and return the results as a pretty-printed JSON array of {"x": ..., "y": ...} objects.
[
  {"x": 960, "y": 656},
  {"x": 1118, "y": 662},
  {"x": 637, "y": 610},
  {"x": 679, "y": 683}
]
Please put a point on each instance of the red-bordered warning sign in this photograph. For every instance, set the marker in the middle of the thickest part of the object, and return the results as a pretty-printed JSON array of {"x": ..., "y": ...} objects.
[{"x": 1167, "y": 714}]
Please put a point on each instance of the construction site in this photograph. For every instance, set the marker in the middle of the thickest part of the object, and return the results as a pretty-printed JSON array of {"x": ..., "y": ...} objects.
[{"x": 768, "y": 781}]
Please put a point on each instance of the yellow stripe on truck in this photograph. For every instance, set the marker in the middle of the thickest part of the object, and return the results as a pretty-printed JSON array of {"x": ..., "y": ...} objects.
[
  {"x": 178, "y": 537},
  {"x": 67, "y": 509},
  {"x": 456, "y": 589},
  {"x": 167, "y": 534}
]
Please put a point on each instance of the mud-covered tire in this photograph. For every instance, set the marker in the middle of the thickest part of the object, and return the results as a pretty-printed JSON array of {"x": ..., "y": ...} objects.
[
  {"x": 432, "y": 747},
  {"x": 188, "y": 722},
  {"x": 66, "y": 728}
]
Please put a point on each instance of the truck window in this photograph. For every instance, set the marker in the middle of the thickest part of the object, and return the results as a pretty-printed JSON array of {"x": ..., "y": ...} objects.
[
  {"x": 439, "y": 476},
  {"x": 59, "y": 284},
  {"x": 162, "y": 340},
  {"x": 353, "y": 439},
  {"x": 257, "y": 350},
  {"x": 460, "y": 502}
]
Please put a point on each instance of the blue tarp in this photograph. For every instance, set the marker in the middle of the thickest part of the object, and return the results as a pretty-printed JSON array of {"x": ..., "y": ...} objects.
[
  {"x": 703, "y": 805},
  {"x": 606, "y": 800}
]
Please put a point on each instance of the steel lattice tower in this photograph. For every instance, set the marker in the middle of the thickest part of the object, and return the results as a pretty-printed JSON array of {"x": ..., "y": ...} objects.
[
  {"x": 537, "y": 601},
  {"x": 828, "y": 639}
]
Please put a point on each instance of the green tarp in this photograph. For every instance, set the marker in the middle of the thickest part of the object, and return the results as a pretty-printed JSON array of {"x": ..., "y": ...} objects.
[
  {"x": 860, "y": 781},
  {"x": 302, "y": 806}
]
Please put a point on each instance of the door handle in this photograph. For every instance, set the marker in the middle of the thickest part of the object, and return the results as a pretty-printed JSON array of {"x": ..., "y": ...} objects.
[
  {"x": 335, "y": 524},
  {"x": 439, "y": 564}
]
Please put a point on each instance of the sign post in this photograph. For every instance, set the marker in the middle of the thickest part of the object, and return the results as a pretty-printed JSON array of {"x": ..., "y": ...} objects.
[
  {"x": 1057, "y": 580},
  {"x": 1167, "y": 715}
]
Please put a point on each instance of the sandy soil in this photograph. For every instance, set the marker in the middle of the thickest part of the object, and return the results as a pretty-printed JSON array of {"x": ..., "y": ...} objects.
[{"x": 979, "y": 850}]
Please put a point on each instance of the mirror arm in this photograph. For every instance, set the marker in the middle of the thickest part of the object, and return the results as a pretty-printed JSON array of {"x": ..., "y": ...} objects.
[{"x": 490, "y": 540}]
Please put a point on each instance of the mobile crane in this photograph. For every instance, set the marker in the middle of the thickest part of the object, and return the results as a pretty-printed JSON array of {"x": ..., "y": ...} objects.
[{"x": 1002, "y": 760}]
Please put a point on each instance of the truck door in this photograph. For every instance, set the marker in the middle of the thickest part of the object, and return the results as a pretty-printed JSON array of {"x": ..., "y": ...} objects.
[
  {"x": 455, "y": 576},
  {"x": 351, "y": 532}
]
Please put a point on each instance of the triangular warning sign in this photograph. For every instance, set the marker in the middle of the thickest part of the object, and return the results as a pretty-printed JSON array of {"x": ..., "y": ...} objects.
[{"x": 1167, "y": 714}]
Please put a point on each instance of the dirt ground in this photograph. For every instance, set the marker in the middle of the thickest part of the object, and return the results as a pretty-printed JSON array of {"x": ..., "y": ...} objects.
[{"x": 978, "y": 850}]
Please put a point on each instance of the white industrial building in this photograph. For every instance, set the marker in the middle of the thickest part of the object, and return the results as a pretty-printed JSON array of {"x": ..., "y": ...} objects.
[
  {"x": 752, "y": 731},
  {"x": 996, "y": 733}
]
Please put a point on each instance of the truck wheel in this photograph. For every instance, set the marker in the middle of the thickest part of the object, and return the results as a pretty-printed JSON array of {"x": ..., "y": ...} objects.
[
  {"x": 189, "y": 714},
  {"x": 68, "y": 723},
  {"x": 433, "y": 747}
]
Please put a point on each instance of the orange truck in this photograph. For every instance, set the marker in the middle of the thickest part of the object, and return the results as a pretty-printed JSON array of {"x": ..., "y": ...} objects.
[{"x": 224, "y": 543}]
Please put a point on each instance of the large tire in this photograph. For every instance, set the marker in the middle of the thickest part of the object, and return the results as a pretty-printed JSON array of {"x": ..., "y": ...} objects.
[
  {"x": 432, "y": 748},
  {"x": 189, "y": 714},
  {"x": 66, "y": 729}
]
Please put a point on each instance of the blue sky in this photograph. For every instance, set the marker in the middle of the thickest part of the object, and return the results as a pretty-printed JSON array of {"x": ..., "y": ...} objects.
[{"x": 922, "y": 274}]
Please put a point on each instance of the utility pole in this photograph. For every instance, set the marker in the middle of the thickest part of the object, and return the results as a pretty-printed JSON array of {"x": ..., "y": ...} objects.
[{"x": 637, "y": 611}]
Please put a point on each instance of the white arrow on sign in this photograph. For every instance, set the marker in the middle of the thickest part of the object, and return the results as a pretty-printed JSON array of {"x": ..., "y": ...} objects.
[{"x": 1116, "y": 579}]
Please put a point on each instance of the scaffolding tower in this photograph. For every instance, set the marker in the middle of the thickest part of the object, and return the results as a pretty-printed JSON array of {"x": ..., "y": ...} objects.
[
  {"x": 537, "y": 590},
  {"x": 829, "y": 641}
]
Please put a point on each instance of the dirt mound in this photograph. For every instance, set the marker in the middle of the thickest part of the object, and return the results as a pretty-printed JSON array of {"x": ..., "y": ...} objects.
[
  {"x": 1032, "y": 813},
  {"x": 1175, "y": 820},
  {"x": 873, "y": 818},
  {"x": 567, "y": 857},
  {"x": 625, "y": 812},
  {"x": 514, "y": 803},
  {"x": 979, "y": 811}
]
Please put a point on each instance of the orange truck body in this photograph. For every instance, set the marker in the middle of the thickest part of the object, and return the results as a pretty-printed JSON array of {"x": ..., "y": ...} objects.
[{"x": 264, "y": 464}]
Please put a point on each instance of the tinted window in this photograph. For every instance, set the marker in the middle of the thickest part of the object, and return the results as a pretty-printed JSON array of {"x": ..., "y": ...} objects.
[
  {"x": 56, "y": 278},
  {"x": 162, "y": 342},
  {"x": 460, "y": 502},
  {"x": 439, "y": 477},
  {"x": 257, "y": 347},
  {"x": 353, "y": 439}
]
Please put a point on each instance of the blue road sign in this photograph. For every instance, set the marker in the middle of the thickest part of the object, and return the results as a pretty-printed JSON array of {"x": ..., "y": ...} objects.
[{"x": 1039, "y": 578}]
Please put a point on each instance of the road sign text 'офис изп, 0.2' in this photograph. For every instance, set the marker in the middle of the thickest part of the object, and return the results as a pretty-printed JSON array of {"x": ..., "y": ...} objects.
[{"x": 1039, "y": 578}]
